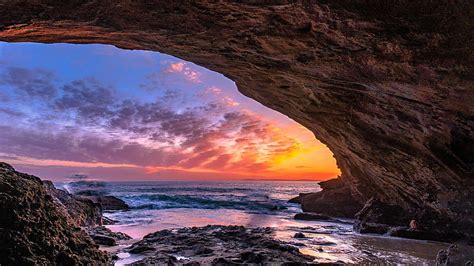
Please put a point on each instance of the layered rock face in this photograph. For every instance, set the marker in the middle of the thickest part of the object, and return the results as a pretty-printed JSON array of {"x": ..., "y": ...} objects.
[
  {"x": 35, "y": 229},
  {"x": 81, "y": 211},
  {"x": 388, "y": 87}
]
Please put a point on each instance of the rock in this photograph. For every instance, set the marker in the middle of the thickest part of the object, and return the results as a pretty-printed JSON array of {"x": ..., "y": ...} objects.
[
  {"x": 371, "y": 228},
  {"x": 308, "y": 216},
  {"x": 454, "y": 255},
  {"x": 406, "y": 232},
  {"x": 376, "y": 211},
  {"x": 334, "y": 200},
  {"x": 35, "y": 229},
  {"x": 104, "y": 236},
  {"x": 389, "y": 90},
  {"x": 217, "y": 245},
  {"x": 138, "y": 249},
  {"x": 298, "y": 198},
  {"x": 103, "y": 240},
  {"x": 109, "y": 203},
  {"x": 82, "y": 211},
  {"x": 107, "y": 221},
  {"x": 299, "y": 235}
]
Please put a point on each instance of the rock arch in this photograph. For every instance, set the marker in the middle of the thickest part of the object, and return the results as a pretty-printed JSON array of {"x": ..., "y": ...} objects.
[{"x": 388, "y": 87}]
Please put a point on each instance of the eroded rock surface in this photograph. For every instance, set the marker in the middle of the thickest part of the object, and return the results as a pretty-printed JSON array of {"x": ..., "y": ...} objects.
[
  {"x": 35, "y": 229},
  {"x": 454, "y": 255},
  {"x": 82, "y": 211},
  {"x": 109, "y": 203},
  {"x": 216, "y": 245},
  {"x": 387, "y": 86},
  {"x": 104, "y": 236}
]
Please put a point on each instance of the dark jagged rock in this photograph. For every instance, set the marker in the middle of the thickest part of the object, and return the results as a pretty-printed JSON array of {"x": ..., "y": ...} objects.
[
  {"x": 387, "y": 86},
  {"x": 454, "y": 255},
  {"x": 109, "y": 203},
  {"x": 84, "y": 212},
  {"x": 336, "y": 200},
  {"x": 35, "y": 229},
  {"x": 380, "y": 218},
  {"x": 103, "y": 240},
  {"x": 299, "y": 235},
  {"x": 108, "y": 221},
  {"x": 376, "y": 211},
  {"x": 298, "y": 198},
  {"x": 104, "y": 236},
  {"x": 308, "y": 216},
  {"x": 216, "y": 245},
  {"x": 371, "y": 228}
]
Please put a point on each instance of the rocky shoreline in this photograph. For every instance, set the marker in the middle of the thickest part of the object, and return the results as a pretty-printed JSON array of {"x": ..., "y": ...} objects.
[
  {"x": 367, "y": 219},
  {"x": 41, "y": 224},
  {"x": 216, "y": 245}
]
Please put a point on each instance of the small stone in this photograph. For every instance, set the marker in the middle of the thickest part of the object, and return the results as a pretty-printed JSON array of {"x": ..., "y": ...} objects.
[{"x": 299, "y": 235}]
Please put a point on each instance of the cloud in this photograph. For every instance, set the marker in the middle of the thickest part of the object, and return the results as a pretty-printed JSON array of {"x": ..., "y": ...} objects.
[
  {"x": 37, "y": 83},
  {"x": 92, "y": 123},
  {"x": 88, "y": 98},
  {"x": 183, "y": 68},
  {"x": 230, "y": 102},
  {"x": 11, "y": 112},
  {"x": 213, "y": 90}
]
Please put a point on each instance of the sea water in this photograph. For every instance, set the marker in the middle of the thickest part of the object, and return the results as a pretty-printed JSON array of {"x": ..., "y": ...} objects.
[{"x": 164, "y": 205}]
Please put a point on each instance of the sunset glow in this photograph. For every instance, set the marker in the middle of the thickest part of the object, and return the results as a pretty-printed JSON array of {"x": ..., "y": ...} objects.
[{"x": 114, "y": 114}]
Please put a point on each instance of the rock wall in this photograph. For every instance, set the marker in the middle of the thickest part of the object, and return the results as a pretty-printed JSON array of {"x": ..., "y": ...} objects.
[
  {"x": 35, "y": 229},
  {"x": 81, "y": 211},
  {"x": 386, "y": 85}
]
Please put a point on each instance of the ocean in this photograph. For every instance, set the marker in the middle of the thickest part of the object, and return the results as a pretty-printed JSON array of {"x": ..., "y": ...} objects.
[{"x": 166, "y": 205}]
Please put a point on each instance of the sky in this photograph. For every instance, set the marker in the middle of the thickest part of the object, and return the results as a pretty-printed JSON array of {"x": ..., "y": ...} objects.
[{"x": 104, "y": 113}]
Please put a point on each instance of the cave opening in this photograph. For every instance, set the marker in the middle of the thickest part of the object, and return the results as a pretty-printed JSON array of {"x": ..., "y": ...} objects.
[
  {"x": 102, "y": 121},
  {"x": 115, "y": 114}
]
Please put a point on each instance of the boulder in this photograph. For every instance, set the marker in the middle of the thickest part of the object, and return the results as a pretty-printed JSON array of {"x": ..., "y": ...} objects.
[
  {"x": 103, "y": 240},
  {"x": 309, "y": 216},
  {"x": 334, "y": 200},
  {"x": 371, "y": 228},
  {"x": 454, "y": 255},
  {"x": 104, "y": 236},
  {"x": 109, "y": 203},
  {"x": 299, "y": 235}
]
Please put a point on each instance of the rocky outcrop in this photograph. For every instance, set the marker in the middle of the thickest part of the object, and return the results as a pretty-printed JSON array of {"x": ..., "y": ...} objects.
[
  {"x": 310, "y": 216},
  {"x": 104, "y": 236},
  {"x": 454, "y": 255},
  {"x": 108, "y": 203},
  {"x": 387, "y": 86},
  {"x": 82, "y": 211},
  {"x": 336, "y": 200},
  {"x": 35, "y": 229},
  {"x": 216, "y": 245}
]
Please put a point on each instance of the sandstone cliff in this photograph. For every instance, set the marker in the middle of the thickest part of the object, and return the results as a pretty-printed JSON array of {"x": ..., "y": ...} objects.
[{"x": 387, "y": 85}]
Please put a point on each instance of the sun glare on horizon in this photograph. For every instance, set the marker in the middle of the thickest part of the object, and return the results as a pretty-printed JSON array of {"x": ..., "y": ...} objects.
[{"x": 114, "y": 114}]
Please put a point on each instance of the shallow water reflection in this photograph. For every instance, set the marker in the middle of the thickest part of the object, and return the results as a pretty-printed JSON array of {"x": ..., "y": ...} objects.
[{"x": 327, "y": 242}]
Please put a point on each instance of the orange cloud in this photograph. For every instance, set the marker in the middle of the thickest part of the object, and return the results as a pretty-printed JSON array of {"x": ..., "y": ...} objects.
[
  {"x": 230, "y": 102},
  {"x": 213, "y": 90},
  {"x": 186, "y": 71}
]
